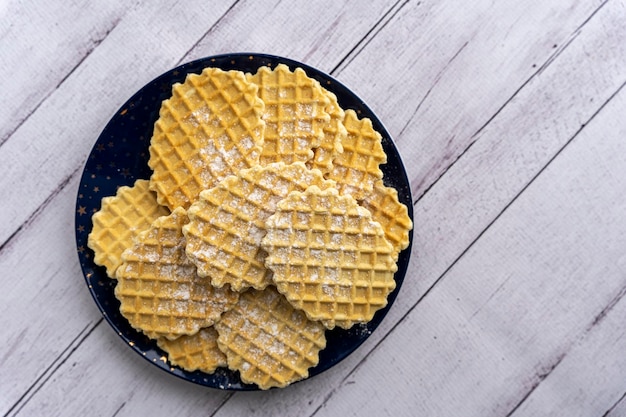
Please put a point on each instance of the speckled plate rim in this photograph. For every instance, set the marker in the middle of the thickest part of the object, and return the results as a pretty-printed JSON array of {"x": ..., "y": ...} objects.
[{"x": 119, "y": 157}]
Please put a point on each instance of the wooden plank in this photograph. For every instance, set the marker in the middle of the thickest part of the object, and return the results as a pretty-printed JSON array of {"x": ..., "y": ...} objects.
[
  {"x": 38, "y": 323},
  {"x": 74, "y": 114},
  {"x": 41, "y": 46},
  {"x": 131, "y": 387},
  {"x": 589, "y": 381},
  {"x": 502, "y": 320},
  {"x": 318, "y": 33},
  {"x": 517, "y": 144},
  {"x": 488, "y": 176},
  {"x": 456, "y": 70}
]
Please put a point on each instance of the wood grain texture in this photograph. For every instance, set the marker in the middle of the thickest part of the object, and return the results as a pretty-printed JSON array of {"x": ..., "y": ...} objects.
[
  {"x": 41, "y": 276},
  {"x": 589, "y": 376},
  {"x": 508, "y": 116},
  {"x": 318, "y": 33},
  {"x": 44, "y": 44},
  {"x": 145, "y": 390}
]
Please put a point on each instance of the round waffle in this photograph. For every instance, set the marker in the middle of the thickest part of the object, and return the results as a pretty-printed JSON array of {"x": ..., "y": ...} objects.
[
  {"x": 196, "y": 352},
  {"x": 269, "y": 342},
  {"x": 334, "y": 134},
  {"x": 120, "y": 219},
  {"x": 159, "y": 291},
  {"x": 295, "y": 113},
  {"x": 329, "y": 258},
  {"x": 392, "y": 215},
  {"x": 227, "y": 223},
  {"x": 133, "y": 119},
  {"x": 210, "y": 128},
  {"x": 357, "y": 168}
]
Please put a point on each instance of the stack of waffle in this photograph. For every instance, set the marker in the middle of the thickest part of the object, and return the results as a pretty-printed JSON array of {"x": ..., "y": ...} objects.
[{"x": 266, "y": 221}]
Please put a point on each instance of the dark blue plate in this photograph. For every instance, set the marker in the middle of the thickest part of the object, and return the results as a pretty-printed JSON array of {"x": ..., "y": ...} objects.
[{"x": 120, "y": 156}]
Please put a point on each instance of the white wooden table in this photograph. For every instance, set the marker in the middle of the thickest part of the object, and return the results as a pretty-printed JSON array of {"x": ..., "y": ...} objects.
[{"x": 511, "y": 119}]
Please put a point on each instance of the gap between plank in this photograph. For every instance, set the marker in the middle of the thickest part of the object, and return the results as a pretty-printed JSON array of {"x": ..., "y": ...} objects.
[
  {"x": 211, "y": 29},
  {"x": 366, "y": 39},
  {"x": 220, "y": 405},
  {"x": 4, "y": 245},
  {"x": 53, "y": 367},
  {"x": 540, "y": 378},
  {"x": 118, "y": 409},
  {"x": 611, "y": 408},
  {"x": 432, "y": 87},
  {"x": 596, "y": 321}
]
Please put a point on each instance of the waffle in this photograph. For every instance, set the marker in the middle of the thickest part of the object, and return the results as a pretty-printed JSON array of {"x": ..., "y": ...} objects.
[
  {"x": 159, "y": 291},
  {"x": 295, "y": 114},
  {"x": 334, "y": 134},
  {"x": 357, "y": 168},
  {"x": 227, "y": 223},
  {"x": 393, "y": 216},
  {"x": 329, "y": 258},
  {"x": 197, "y": 352},
  {"x": 210, "y": 128},
  {"x": 120, "y": 219},
  {"x": 269, "y": 342}
]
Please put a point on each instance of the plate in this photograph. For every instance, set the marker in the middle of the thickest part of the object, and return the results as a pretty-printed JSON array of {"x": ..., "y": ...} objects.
[{"x": 120, "y": 156}]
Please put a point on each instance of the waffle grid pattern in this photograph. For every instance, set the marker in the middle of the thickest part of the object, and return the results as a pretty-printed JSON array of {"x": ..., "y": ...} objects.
[
  {"x": 120, "y": 219},
  {"x": 393, "y": 216},
  {"x": 158, "y": 288},
  {"x": 295, "y": 114},
  {"x": 210, "y": 128},
  {"x": 197, "y": 352},
  {"x": 269, "y": 342},
  {"x": 329, "y": 258},
  {"x": 357, "y": 168},
  {"x": 228, "y": 222},
  {"x": 334, "y": 134}
]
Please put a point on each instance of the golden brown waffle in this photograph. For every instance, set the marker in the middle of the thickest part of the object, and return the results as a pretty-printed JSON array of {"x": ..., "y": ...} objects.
[
  {"x": 393, "y": 216},
  {"x": 159, "y": 291},
  {"x": 210, "y": 128},
  {"x": 357, "y": 168},
  {"x": 269, "y": 342},
  {"x": 334, "y": 134},
  {"x": 197, "y": 352},
  {"x": 329, "y": 258},
  {"x": 228, "y": 221},
  {"x": 120, "y": 219},
  {"x": 295, "y": 113}
]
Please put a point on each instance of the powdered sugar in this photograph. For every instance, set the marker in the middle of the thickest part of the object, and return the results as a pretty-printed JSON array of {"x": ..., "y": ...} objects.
[
  {"x": 246, "y": 143},
  {"x": 257, "y": 195},
  {"x": 202, "y": 115},
  {"x": 305, "y": 126},
  {"x": 182, "y": 292}
]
